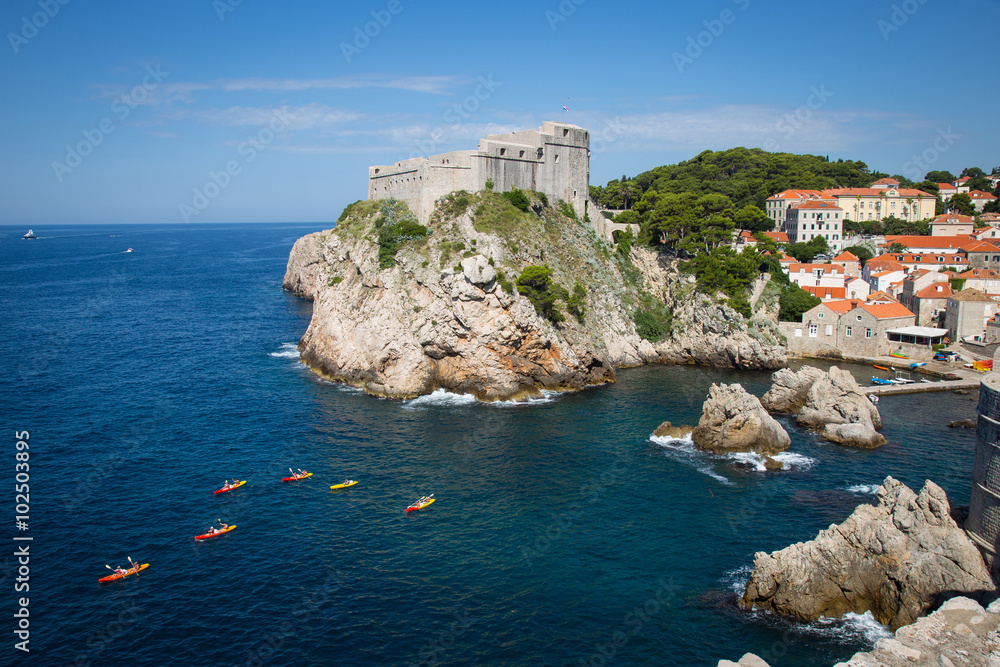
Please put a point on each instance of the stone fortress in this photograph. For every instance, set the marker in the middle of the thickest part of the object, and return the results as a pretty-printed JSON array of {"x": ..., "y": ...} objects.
[
  {"x": 554, "y": 160},
  {"x": 983, "y": 524}
]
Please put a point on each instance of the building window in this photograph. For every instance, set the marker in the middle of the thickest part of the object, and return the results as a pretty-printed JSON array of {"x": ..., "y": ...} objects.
[
  {"x": 520, "y": 154},
  {"x": 557, "y": 158},
  {"x": 798, "y": 333},
  {"x": 540, "y": 153},
  {"x": 820, "y": 315},
  {"x": 850, "y": 331},
  {"x": 868, "y": 333},
  {"x": 829, "y": 329},
  {"x": 813, "y": 330},
  {"x": 859, "y": 318},
  {"x": 565, "y": 132},
  {"x": 503, "y": 151}
]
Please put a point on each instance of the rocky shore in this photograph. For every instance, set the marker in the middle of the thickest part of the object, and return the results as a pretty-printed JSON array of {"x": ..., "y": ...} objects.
[
  {"x": 960, "y": 632},
  {"x": 444, "y": 312},
  {"x": 898, "y": 559}
]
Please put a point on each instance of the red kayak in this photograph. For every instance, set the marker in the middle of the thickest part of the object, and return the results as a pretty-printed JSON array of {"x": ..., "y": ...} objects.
[
  {"x": 295, "y": 478},
  {"x": 230, "y": 487},
  {"x": 422, "y": 503},
  {"x": 215, "y": 533}
]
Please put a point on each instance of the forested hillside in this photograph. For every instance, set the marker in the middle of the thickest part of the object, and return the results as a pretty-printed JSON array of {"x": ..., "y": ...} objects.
[{"x": 745, "y": 175}]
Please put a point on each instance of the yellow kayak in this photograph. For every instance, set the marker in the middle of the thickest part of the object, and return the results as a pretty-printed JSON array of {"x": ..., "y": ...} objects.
[{"x": 345, "y": 485}]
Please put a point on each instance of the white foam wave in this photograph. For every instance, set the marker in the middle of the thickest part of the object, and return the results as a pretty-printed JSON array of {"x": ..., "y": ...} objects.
[
  {"x": 736, "y": 580},
  {"x": 852, "y": 627},
  {"x": 864, "y": 489},
  {"x": 788, "y": 460},
  {"x": 548, "y": 396},
  {"x": 683, "y": 450},
  {"x": 287, "y": 351},
  {"x": 440, "y": 397}
]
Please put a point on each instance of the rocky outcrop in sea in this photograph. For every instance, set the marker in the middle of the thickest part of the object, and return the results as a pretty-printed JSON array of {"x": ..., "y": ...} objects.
[
  {"x": 960, "y": 632},
  {"x": 444, "y": 311},
  {"x": 733, "y": 420},
  {"x": 898, "y": 559},
  {"x": 832, "y": 402}
]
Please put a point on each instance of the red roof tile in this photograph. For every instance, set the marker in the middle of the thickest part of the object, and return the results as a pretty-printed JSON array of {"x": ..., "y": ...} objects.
[
  {"x": 929, "y": 241},
  {"x": 826, "y": 292},
  {"x": 885, "y": 311},
  {"x": 825, "y": 205},
  {"x": 845, "y": 257},
  {"x": 779, "y": 237},
  {"x": 843, "y": 306},
  {"x": 939, "y": 290}
]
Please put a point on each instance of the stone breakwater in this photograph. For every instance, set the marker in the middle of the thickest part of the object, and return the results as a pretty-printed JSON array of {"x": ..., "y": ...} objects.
[
  {"x": 960, "y": 632},
  {"x": 425, "y": 323}
]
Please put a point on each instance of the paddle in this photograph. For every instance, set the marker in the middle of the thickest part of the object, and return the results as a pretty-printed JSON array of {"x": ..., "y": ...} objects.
[{"x": 135, "y": 566}]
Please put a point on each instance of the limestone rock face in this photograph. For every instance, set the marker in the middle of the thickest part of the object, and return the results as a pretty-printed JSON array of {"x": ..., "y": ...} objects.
[
  {"x": 960, "y": 632},
  {"x": 789, "y": 389},
  {"x": 896, "y": 559},
  {"x": 836, "y": 398},
  {"x": 733, "y": 420}
]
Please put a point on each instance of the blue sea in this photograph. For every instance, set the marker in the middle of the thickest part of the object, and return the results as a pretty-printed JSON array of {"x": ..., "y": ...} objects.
[{"x": 562, "y": 534}]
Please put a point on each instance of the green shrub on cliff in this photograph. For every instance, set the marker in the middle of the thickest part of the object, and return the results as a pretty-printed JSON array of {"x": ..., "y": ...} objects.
[
  {"x": 575, "y": 303},
  {"x": 535, "y": 283},
  {"x": 795, "y": 301},
  {"x": 395, "y": 227},
  {"x": 517, "y": 198}
]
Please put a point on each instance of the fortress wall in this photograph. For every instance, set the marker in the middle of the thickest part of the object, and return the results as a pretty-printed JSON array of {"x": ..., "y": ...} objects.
[
  {"x": 983, "y": 524},
  {"x": 555, "y": 161}
]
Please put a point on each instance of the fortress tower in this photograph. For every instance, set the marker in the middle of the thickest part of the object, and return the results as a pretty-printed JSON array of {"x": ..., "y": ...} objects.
[
  {"x": 554, "y": 159},
  {"x": 983, "y": 524}
]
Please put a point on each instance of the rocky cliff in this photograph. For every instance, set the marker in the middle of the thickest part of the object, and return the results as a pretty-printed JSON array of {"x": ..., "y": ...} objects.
[
  {"x": 898, "y": 559},
  {"x": 443, "y": 311},
  {"x": 733, "y": 420},
  {"x": 960, "y": 632}
]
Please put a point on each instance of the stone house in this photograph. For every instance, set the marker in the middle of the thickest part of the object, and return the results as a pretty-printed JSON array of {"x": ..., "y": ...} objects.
[
  {"x": 914, "y": 283},
  {"x": 952, "y": 224},
  {"x": 816, "y": 275},
  {"x": 967, "y": 313},
  {"x": 930, "y": 302},
  {"x": 850, "y": 262},
  {"x": 984, "y": 280},
  {"x": 847, "y": 328},
  {"x": 982, "y": 255},
  {"x": 980, "y": 199},
  {"x": 993, "y": 329}
]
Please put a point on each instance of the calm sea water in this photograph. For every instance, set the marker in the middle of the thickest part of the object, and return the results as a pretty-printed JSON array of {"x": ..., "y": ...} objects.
[{"x": 561, "y": 535}]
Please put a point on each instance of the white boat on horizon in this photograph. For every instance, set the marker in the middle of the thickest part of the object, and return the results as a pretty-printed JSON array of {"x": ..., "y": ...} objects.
[{"x": 30, "y": 235}]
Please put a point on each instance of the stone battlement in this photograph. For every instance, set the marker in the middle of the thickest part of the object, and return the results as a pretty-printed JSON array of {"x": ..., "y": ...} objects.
[{"x": 554, "y": 159}]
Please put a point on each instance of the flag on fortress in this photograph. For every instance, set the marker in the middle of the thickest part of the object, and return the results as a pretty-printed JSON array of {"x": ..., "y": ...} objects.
[{"x": 565, "y": 107}]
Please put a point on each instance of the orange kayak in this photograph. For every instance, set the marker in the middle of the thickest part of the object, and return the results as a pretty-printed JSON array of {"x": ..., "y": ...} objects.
[{"x": 127, "y": 573}]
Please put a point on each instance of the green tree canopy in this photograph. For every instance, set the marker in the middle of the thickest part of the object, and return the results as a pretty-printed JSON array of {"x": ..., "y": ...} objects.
[
  {"x": 861, "y": 252},
  {"x": 752, "y": 218},
  {"x": 962, "y": 203},
  {"x": 940, "y": 177},
  {"x": 793, "y": 302}
]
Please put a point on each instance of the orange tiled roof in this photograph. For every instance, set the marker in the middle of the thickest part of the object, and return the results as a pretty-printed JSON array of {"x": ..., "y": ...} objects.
[
  {"x": 981, "y": 274},
  {"x": 825, "y": 268},
  {"x": 880, "y": 296},
  {"x": 946, "y": 186},
  {"x": 980, "y": 246},
  {"x": 813, "y": 203},
  {"x": 826, "y": 292},
  {"x": 884, "y": 263},
  {"x": 797, "y": 194},
  {"x": 779, "y": 237},
  {"x": 843, "y": 306},
  {"x": 979, "y": 194},
  {"x": 886, "y": 181},
  {"x": 884, "y": 311},
  {"x": 845, "y": 257},
  {"x": 952, "y": 218},
  {"x": 970, "y": 294},
  {"x": 938, "y": 290}
]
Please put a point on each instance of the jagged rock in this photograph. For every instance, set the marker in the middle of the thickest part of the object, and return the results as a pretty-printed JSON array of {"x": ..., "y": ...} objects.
[
  {"x": 836, "y": 398},
  {"x": 960, "y": 632},
  {"x": 962, "y": 423},
  {"x": 733, "y": 420},
  {"x": 789, "y": 389},
  {"x": 961, "y": 392},
  {"x": 854, "y": 435},
  {"x": 668, "y": 430},
  {"x": 477, "y": 270},
  {"x": 773, "y": 464},
  {"x": 896, "y": 559}
]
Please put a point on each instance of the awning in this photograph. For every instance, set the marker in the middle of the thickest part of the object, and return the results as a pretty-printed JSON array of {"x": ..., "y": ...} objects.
[{"x": 923, "y": 332}]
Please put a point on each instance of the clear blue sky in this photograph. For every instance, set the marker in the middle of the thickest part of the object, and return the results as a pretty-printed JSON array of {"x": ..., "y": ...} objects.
[{"x": 185, "y": 86}]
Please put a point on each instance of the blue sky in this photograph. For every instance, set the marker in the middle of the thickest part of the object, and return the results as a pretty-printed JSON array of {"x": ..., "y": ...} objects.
[{"x": 131, "y": 111}]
